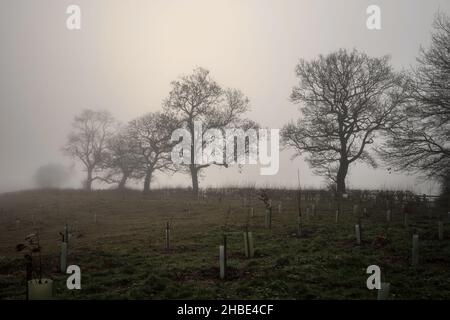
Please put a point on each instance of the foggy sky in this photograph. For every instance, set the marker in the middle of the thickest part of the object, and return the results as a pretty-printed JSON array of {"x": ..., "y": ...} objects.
[{"x": 127, "y": 53}]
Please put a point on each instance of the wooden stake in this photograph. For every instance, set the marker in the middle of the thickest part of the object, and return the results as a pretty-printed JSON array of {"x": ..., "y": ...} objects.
[
  {"x": 269, "y": 218},
  {"x": 388, "y": 215},
  {"x": 358, "y": 234},
  {"x": 299, "y": 226},
  {"x": 66, "y": 234},
  {"x": 415, "y": 251},
  {"x": 63, "y": 258},
  {"x": 299, "y": 210},
  {"x": 224, "y": 243},
  {"x": 337, "y": 215},
  {"x": 168, "y": 236},
  {"x": 441, "y": 230}
]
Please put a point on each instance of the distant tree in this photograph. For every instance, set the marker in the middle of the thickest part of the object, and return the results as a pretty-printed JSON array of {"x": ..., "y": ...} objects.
[
  {"x": 121, "y": 161},
  {"x": 51, "y": 176},
  {"x": 198, "y": 98},
  {"x": 88, "y": 142},
  {"x": 420, "y": 141},
  {"x": 151, "y": 145},
  {"x": 347, "y": 98}
]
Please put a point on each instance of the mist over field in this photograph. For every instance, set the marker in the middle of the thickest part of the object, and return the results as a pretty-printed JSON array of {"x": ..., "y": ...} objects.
[
  {"x": 127, "y": 53},
  {"x": 224, "y": 153}
]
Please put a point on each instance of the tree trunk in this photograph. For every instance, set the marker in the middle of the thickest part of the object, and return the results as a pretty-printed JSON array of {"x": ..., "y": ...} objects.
[
  {"x": 148, "y": 179},
  {"x": 340, "y": 178},
  {"x": 88, "y": 183},
  {"x": 194, "y": 175},
  {"x": 123, "y": 181}
]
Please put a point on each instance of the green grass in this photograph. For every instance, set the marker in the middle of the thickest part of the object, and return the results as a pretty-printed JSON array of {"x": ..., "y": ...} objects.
[{"x": 123, "y": 256}]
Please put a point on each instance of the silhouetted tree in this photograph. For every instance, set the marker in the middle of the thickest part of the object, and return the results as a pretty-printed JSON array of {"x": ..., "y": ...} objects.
[
  {"x": 346, "y": 97},
  {"x": 197, "y": 97},
  {"x": 420, "y": 142},
  {"x": 88, "y": 142},
  {"x": 121, "y": 161},
  {"x": 151, "y": 145}
]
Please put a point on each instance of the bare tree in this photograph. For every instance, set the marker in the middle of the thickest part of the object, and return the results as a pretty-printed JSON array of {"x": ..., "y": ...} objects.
[
  {"x": 88, "y": 142},
  {"x": 198, "y": 98},
  {"x": 420, "y": 142},
  {"x": 121, "y": 162},
  {"x": 347, "y": 97},
  {"x": 151, "y": 145}
]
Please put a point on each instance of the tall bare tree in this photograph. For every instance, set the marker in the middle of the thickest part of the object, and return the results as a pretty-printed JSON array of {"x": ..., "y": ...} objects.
[
  {"x": 88, "y": 142},
  {"x": 420, "y": 142},
  {"x": 346, "y": 98},
  {"x": 198, "y": 98},
  {"x": 122, "y": 161},
  {"x": 151, "y": 145}
]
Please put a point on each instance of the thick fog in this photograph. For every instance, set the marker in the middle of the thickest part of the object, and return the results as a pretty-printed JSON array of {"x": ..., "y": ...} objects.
[{"x": 127, "y": 53}]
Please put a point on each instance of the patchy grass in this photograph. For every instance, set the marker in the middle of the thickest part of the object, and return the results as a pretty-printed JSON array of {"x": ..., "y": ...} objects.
[{"x": 123, "y": 256}]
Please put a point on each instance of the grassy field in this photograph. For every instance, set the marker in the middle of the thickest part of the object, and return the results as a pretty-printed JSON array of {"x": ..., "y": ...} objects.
[{"x": 123, "y": 255}]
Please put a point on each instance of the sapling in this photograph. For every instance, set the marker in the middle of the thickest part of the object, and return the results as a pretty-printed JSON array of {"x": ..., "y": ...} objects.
[
  {"x": 30, "y": 248},
  {"x": 268, "y": 204}
]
